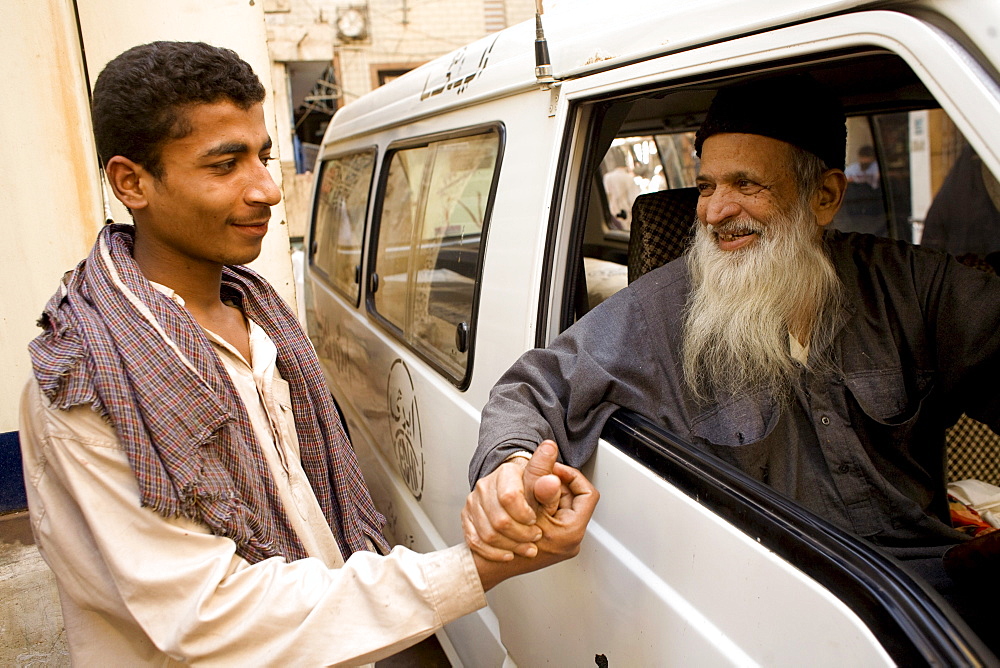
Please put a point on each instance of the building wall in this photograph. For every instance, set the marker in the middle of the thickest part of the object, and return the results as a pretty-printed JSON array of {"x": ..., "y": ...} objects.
[
  {"x": 55, "y": 210},
  {"x": 407, "y": 32},
  {"x": 401, "y": 35}
]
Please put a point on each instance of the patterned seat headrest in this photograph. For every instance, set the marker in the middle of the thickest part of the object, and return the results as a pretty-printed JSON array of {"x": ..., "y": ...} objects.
[{"x": 661, "y": 227}]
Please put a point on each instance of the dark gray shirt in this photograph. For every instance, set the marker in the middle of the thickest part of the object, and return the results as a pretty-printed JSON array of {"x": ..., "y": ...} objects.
[{"x": 861, "y": 446}]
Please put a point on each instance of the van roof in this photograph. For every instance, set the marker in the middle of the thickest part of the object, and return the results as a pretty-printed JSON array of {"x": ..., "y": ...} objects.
[{"x": 585, "y": 36}]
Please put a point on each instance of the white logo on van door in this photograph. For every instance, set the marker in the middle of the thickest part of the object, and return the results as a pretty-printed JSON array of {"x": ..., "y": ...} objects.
[
  {"x": 463, "y": 68},
  {"x": 404, "y": 424}
]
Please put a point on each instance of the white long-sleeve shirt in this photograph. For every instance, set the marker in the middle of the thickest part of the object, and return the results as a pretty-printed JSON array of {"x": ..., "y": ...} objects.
[{"x": 140, "y": 589}]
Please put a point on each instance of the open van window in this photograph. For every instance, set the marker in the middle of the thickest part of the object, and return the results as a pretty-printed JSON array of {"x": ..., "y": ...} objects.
[
  {"x": 635, "y": 166},
  {"x": 431, "y": 222},
  {"x": 902, "y": 148}
]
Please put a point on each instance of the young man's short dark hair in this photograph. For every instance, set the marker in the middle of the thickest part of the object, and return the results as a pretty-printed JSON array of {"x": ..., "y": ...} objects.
[{"x": 139, "y": 96}]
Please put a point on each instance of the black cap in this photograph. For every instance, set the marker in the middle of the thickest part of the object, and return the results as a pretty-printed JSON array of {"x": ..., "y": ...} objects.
[{"x": 793, "y": 109}]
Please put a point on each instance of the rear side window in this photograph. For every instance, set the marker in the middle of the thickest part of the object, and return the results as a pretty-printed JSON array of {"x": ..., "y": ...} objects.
[
  {"x": 339, "y": 220},
  {"x": 643, "y": 164},
  {"x": 435, "y": 205},
  {"x": 912, "y": 175}
]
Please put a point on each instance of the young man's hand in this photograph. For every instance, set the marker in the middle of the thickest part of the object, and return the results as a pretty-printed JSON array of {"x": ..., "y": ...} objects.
[{"x": 527, "y": 514}]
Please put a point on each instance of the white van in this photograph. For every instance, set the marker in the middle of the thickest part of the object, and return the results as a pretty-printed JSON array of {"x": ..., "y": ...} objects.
[{"x": 467, "y": 212}]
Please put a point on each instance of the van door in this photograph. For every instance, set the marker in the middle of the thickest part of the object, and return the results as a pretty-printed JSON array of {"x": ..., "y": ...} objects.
[
  {"x": 402, "y": 221},
  {"x": 668, "y": 575}
]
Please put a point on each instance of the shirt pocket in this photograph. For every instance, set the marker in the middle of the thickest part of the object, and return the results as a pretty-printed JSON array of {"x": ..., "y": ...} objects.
[
  {"x": 282, "y": 393},
  {"x": 284, "y": 417},
  {"x": 740, "y": 422},
  {"x": 895, "y": 423},
  {"x": 739, "y": 433},
  {"x": 886, "y": 397},
  {"x": 891, "y": 417}
]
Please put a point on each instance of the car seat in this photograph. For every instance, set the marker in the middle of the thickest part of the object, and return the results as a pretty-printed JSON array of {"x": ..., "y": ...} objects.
[{"x": 661, "y": 228}]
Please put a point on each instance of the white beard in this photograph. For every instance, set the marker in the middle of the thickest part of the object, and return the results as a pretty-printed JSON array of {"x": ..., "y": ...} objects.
[{"x": 743, "y": 303}]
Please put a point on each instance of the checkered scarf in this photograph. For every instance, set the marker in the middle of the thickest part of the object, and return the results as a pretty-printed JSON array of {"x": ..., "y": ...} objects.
[{"x": 113, "y": 341}]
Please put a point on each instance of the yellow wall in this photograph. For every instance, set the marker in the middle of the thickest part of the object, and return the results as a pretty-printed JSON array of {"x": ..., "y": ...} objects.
[{"x": 52, "y": 199}]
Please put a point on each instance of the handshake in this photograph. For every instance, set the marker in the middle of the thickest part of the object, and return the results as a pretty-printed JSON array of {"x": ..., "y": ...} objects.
[{"x": 527, "y": 514}]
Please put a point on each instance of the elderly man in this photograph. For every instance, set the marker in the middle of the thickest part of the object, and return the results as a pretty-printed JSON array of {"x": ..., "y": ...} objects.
[
  {"x": 824, "y": 365},
  {"x": 188, "y": 478}
]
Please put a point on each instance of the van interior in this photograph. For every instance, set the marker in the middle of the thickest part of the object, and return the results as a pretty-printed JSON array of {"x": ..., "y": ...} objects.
[{"x": 647, "y": 137}]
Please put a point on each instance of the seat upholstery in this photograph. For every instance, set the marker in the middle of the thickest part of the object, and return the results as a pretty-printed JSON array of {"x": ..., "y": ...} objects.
[
  {"x": 973, "y": 450},
  {"x": 661, "y": 227}
]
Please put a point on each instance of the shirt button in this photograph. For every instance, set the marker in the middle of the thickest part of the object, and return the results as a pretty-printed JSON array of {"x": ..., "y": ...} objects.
[
  {"x": 825, "y": 420},
  {"x": 844, "y": 468}
]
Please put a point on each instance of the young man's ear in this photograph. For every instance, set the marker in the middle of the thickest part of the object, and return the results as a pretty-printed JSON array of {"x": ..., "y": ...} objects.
[
  {"x": 129, "y": 181},
  {"x": 829, "y": 196}
]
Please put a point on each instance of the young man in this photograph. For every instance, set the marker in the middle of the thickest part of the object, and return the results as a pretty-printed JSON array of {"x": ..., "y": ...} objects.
[
  {"x": 188, "y": 478},
  {"x": 825, "y": 365}
]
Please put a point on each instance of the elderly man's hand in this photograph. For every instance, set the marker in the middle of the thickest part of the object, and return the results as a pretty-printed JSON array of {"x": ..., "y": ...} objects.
[
  {"x": 553, "y": 502},
  {"x": 508, "y": 511}
]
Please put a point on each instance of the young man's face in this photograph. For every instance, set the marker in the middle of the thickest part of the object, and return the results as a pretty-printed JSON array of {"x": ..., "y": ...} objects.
[{"x": 213, "y": 202}]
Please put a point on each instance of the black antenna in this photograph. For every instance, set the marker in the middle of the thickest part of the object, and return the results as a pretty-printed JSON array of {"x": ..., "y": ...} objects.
[{"x": 543, "y": 67}]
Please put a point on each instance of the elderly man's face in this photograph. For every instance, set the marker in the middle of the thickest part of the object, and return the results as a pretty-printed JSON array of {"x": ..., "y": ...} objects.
[
  {"x": 759, "y": 270},
  {"x": 745, "y": 181}
]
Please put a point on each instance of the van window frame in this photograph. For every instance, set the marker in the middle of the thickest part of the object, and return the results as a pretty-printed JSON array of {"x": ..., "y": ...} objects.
[
  {"x": 584, "y": 117},
  {"x": 902, "y": 612},
  {"x": 354, "y": 300},
  {"x": 462, "y": 382},
  {"x": 927, "y": 628}
]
